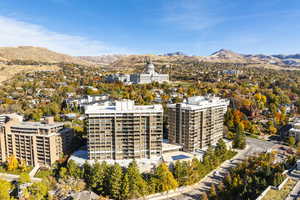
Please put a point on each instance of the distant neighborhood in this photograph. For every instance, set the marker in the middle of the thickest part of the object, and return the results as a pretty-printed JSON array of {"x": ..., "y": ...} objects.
[{"x": 89, "y": 133}]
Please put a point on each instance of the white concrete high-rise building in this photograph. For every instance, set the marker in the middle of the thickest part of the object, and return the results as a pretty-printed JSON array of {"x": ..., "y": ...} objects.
[
  {"x": 122, "y": 130},
  {"x": 196, "y": 123}
]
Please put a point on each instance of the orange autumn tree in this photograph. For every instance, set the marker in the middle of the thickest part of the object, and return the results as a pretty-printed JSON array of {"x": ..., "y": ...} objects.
[{"x": 237, "y": 115}]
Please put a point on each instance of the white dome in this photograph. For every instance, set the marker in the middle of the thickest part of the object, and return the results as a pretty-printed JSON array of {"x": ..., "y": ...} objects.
[
  {"x": 150, "y": 66},
  {"x": 150, "y": 69}
]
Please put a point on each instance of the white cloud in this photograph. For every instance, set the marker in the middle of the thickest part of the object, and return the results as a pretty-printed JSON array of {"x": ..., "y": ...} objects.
[{"x": 19, "y": 33}]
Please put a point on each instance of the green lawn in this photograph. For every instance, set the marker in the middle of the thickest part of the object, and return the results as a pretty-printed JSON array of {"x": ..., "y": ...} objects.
[
  {"x": 280, "y": 194},
  {"x": 183, "y": 83},
  {"x": 16, "y": 172},
  {"x": 43, "y": 173}
]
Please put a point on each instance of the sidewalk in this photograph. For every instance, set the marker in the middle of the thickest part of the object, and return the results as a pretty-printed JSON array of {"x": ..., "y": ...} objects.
[{"x": 34, "y": 171}]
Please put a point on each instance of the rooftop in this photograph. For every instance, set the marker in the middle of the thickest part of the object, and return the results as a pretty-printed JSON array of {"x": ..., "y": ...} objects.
[
  {"x": 122, "y": 107},
  {"x": 166, "y": 146},
  {"x": 36, "y": 125},
  {"x": 295, "y": 130},
  {"x": 5, "y": 117},
  {"x": 200, "y": 102},
  {"x": 81, "y": 156}
]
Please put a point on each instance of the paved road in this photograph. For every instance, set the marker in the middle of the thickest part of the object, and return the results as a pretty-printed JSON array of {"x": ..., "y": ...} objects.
[{"x": 253, "y": 146}]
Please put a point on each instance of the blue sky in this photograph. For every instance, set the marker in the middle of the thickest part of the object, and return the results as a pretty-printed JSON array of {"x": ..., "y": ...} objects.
[{"x": 196, "y": 27}]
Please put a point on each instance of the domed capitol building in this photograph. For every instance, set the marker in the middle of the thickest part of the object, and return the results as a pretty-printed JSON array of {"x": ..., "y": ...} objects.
[{"x": 149, "y": 75}]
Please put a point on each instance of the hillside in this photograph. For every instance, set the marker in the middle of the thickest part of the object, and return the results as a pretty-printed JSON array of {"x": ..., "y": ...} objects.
[
  {"x": 228, "y": 56},
  {"x": 23, "y": 59},
  {"x": 103, "y": 59},
  {"x": 37, "y": 54},
  {"x": 225, "y": 55},
  {"x": 132, "y": 62},
  {"x": 9, "y": 71}
]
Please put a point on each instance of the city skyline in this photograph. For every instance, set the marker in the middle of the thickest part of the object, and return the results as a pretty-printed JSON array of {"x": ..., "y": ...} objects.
[{"x": 194, "y": 27}]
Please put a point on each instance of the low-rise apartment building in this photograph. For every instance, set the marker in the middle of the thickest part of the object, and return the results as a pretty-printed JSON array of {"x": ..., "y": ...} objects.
[
  {"x": 295, "y": 130},
  {"x": 84, "y": 101},
  {"x": 196, "y": 123},
  {"x": 40, "y": 143},
  {"x": 122, "y": 130}
]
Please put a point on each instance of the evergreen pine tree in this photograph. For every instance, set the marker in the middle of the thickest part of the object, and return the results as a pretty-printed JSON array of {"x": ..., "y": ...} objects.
[
  {"x": 181, "y": 172},
  {"x": 195, "y": 168},
  {"x": 242, "y": 142},
  {"x": 239, "y": 141},
  {"x": 208, "y": 158},
  {"x": 114, "y": 181},
  {"x": 87, "y": 172},
  {"x": 137, "y": 185},
  {"x": 221, "y": 149},
  {"x": 97, "y": 177},
  {"x": 74, "y": 170},
  {"x": 124, "y": 187}
]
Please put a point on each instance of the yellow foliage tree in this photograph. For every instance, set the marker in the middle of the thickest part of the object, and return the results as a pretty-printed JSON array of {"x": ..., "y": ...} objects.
[
  {"x": 272, "y": 130},
  {"x": 12, "y": 163},
  {"x": 264, "y": 99},
  {"x": 180, "y": 90},
  {"x": 258, "y": 96},
  {"x": 165, "y": 97},
  {"x": 246, "y": 102},
  {"x": 23, "y": 165}
]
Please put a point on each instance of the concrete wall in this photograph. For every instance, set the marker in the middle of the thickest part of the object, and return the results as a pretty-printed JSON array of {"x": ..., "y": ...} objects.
[{"x": 263, "y": 194}]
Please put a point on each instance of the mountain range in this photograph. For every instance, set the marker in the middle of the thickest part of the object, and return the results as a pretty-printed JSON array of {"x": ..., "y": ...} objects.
[
  {"x": 40, "y": 54},
  {"x": 221, "y": 56},
  {"x": 21, "y": 59}
]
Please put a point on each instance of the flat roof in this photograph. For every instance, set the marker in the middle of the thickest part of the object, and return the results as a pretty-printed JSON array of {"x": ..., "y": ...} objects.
[
  {"x": 180, "y": 155},
  {"x": 36, "y": 125},
  {"x": 201, "y": 102},
  {"x": 124, "y": 106},
  {"x": 81, "y": 156},
  {"x": 295, "y": 130},
  {"x": 170, "y": 147}
]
